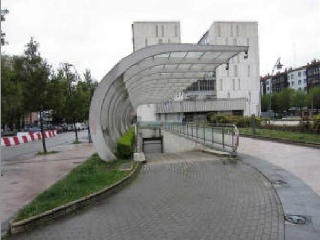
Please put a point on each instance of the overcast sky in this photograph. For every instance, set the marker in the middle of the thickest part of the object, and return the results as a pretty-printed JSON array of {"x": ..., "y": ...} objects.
[{"x": 96, "y": 34}]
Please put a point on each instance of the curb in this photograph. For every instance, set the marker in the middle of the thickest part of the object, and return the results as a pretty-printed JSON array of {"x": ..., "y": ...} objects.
[
  {"x": 25, "y": 138},
  {"x": 280, "y": 140},
  {"x": 23, "y": 225}
]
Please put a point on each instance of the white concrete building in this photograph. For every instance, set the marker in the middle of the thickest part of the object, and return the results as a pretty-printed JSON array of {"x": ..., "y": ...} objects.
[
  {"x": 242, "y": 79},
  {"x": 232, "y": 91},
  {"x": 146, "y": 34}
]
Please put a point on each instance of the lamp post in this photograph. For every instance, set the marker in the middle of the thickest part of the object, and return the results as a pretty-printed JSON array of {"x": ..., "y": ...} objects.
[{"x": 277, "y": 66}]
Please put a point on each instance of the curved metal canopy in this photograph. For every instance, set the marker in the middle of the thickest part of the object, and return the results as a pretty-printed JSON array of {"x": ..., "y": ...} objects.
[{"x": 149, "y": 75}]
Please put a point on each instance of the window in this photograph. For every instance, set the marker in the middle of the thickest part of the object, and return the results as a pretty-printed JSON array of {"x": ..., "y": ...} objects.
[
  {"x": 162, "y": 30},
  {"x": 146, "y": 42},
  {"x": 228, "y": 95},
  {"x": 291, "y": 75},
  {"x": 157, "y": 31},
  {"x": 233, "y": 84},
  {"x": 292, "y": 83},
  {"x": 176, "y": 30},
  {"x": 235, "y": 70},
  {"x": 288, "y": 77},
  {"x": 299, "y": 82},
  {"x": 304, "y": 80},
  {"x": 231, "y": 31},
  {"x": 304, "y": 73},
  {"x": 239, "y": 84},
  {"x": 219, "y": 31},
  {"x": 237, "y": 29},
  {"x": 299, "y": 74}
]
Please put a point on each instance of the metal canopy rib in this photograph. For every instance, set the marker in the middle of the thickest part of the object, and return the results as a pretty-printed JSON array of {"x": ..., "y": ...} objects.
[{"x": 149, "y": 75}]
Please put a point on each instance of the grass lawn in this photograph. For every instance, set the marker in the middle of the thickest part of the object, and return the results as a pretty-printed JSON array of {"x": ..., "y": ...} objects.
[
  {"x": 293, "y": 136},
  {"x": 89, "y": 177}
]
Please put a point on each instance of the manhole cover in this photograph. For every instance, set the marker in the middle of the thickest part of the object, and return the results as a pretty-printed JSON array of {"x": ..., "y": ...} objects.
[
  {"x": 295, "y": 219},
  {"x": 280, "y": 183}
]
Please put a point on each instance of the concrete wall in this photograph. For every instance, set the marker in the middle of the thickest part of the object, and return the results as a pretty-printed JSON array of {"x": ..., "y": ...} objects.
[
  {"x": 242, "y": 80},
  {"x": 152, "y": 33},
  {"x": 174, "y": 143},
  {"x": 146, "y": 113}
]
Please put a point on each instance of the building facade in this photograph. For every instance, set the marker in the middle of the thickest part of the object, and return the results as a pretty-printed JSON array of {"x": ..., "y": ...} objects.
[
  {"x": 313, "y": 74},
  {"x": 146, "y": 34},
  {"x": 230, "y": 89},
  {"x": 241, "y": 78}
]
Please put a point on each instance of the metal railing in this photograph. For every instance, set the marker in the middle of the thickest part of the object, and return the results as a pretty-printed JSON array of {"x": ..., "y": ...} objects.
[{"x": 223, "y": 136}]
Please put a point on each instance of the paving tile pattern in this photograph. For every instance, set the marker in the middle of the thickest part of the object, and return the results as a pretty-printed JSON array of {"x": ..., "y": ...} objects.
[{"x": 180, "y": 196}]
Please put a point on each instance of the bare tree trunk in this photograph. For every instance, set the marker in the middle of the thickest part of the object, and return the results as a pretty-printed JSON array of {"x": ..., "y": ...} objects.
[
  {"x": 42, "y": 134},
  {"x": 75, "y": 131}
]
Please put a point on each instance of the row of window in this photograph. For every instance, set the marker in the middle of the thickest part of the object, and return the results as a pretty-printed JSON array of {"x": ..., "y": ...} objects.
[
  {"x": 161, "y": 33},
  {"x": 234, "y": 30},
  {"x": 202, "y": 85},
  {"x": 291, "y": 76},
  {"x": 236, "y": 71},
  {"x": 299, "y": 82},
  {"x": 235, "y": 84},
  {"x": 160, "y": 41}
]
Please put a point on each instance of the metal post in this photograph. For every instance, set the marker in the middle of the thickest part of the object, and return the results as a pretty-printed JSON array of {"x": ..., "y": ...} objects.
[
  {"x": 223, "y": 137},
  {"x": 192, "y": 131},
  {"x": 212, "y": 135}
]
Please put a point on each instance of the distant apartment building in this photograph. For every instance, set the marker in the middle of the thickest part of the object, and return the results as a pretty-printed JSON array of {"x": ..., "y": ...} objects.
[
  {"x": 313, "y": 74},
  {"x": 297, "y": 78},
  {"x": 302, "y": 78}
]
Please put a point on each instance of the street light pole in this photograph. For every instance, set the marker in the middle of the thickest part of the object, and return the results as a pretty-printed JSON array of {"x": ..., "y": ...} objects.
[{"x": 277, "y": 66}]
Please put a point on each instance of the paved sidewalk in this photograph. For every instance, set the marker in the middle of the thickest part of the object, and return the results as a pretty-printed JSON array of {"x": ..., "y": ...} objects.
[
  {"x": 27, "y": 176},
  {"x": 295, "y": 172},
  {"x": 190, "y": 195}
]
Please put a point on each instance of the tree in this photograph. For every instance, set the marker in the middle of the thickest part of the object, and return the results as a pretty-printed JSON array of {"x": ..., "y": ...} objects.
[
  {"x": 37, "y": 73},
  {"x": 265, "y": 99},
  {"x": 299, "y": 100},
  {"x": 313, "y": 98},
  {"x": 11, "y": 91},
  {"x": 4, "y": 12}
]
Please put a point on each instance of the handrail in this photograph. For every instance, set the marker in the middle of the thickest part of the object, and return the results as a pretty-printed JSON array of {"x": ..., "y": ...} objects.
[{"x": 225, "y": 136}]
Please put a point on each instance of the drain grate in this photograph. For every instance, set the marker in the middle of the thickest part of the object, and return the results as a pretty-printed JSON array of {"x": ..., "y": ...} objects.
[
  {"x": 280, "y": 183},
  {"x": 295, "y": 219}
]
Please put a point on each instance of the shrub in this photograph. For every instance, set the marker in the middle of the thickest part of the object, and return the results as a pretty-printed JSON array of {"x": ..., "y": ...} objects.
[
  {"x": 239, "y": 121},
  {"x": 124, "y": 147}
]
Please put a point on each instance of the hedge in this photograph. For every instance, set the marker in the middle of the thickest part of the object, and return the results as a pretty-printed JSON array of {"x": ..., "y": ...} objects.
[
  {"x": 124, "y": 147},
  {"x": 239, "y": 121}
]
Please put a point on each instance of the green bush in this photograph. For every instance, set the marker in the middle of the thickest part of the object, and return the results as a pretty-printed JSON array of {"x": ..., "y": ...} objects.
[
  {"x": 124, "y": 147},
  {"x": 239, "y": 121}
]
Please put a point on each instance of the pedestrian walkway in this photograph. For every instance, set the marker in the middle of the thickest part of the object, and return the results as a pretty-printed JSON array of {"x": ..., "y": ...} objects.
[
  {"x": 294, "y": 171},
  {"x": 191, "y": 195},
  {"x": 29, "y": 174}
]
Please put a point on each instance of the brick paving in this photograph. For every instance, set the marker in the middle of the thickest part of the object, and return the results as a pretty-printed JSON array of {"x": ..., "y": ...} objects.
[{"x": 190, "y": 195}]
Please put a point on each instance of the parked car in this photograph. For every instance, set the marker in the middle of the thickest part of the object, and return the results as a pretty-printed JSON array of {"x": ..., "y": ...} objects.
[
  {"x": 59, "y": 129},
  {"x": 70, "y": 127},
  {"x": 34, "y": 129}
]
